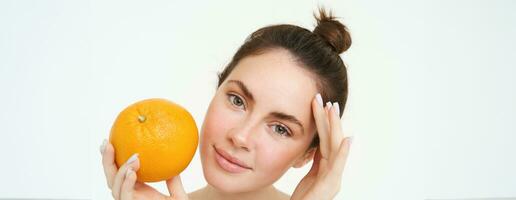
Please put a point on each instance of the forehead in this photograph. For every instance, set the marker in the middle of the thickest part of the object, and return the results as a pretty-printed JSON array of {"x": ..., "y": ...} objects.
[{"x": 278, "y": 82}]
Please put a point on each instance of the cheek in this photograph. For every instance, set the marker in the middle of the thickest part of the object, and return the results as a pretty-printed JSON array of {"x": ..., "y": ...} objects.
[
  {"x": 217, "y": 123},
  {"x": 274, "y": 159}
]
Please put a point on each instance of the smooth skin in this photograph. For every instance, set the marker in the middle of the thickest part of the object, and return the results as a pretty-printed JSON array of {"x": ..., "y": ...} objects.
[
  {"x": 247, "y": 131},
  {"x": 323, "y": 181}
]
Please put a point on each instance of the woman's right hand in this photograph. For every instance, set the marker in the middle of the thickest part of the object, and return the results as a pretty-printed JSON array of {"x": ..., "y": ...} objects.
[{"x": 123, "y": 184}]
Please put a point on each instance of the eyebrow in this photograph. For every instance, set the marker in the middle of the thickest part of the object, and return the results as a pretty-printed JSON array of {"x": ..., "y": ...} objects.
[
  {"x": 242, "y": 87},
  {"x": 289, "y": 118},
  {"x": 279, "y": 115}
]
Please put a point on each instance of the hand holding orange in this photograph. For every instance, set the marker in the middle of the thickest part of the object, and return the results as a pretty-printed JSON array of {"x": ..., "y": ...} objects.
[{"x": 163, "y": 133}]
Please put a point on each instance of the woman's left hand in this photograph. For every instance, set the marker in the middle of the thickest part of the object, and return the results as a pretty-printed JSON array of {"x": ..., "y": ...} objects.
[{"x": 324, "y": 178}]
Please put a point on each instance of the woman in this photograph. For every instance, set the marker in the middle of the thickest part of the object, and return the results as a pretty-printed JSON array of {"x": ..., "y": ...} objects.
[{"x": 266, "y": 116}]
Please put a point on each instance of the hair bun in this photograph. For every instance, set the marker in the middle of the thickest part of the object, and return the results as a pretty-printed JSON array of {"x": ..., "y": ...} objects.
[{"x": 332, "y": 31}]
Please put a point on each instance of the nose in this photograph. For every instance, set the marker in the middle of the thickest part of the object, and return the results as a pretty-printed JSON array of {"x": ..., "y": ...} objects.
[{"x": 241, "y": 136}]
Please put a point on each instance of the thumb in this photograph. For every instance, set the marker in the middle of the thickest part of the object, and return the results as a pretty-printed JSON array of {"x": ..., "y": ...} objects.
[{"x": 175, "y": 188}]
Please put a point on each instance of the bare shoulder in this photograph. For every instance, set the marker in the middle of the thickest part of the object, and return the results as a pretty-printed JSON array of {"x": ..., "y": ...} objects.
[
  {"x": 195, "y": 195},
  {"x": 200, "y": 195},
  {"x": 283, "y": 196}
]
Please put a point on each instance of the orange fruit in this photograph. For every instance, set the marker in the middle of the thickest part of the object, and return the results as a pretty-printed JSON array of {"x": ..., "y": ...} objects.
[{"x": 163, "y": 133}]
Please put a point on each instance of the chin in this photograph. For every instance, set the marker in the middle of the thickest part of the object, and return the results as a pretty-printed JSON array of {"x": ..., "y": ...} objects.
[
  {"x": 226, "y": 185},
  {"x": 222, "y": 180}
]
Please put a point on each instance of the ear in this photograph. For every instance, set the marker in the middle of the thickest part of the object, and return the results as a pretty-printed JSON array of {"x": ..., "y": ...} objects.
[{"x": 309, "y": 155}]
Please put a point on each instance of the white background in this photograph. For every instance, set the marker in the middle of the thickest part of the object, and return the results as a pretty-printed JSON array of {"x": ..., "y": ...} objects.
[{"x": 432, "y": 89}]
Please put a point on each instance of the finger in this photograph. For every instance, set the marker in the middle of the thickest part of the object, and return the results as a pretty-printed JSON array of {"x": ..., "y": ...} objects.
[
  {"x": 126, "y": 193},
  {"x": 315, "y": 164},
  {"x": 342, "y": 156},
  {"x": 321, "y": 122},
  {"x": 108, "y": 162},
  {"x": 175, "y": 188},
  {"x": 336, "y": 134},
  {"x": 132, "y": 162}
]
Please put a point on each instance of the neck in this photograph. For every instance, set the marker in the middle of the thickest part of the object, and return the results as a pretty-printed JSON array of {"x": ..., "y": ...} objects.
[{"x": 263, "y": 193}]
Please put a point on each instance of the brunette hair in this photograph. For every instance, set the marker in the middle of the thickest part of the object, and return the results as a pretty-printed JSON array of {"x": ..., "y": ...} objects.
[{"x": 317, "y": 51}]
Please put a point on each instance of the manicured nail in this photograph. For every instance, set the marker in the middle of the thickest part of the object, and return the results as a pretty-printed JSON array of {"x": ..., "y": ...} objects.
[
  {"x": 129, "y": 171},
  {"x": 328, "y": 105},
  {"x": 336, "y": 108},
  {"x": 103, "y": 146},
  {"x": 319, "y": 99},
  {"x": 132, "y": 158},
  {"x": 350, "y": 139}
]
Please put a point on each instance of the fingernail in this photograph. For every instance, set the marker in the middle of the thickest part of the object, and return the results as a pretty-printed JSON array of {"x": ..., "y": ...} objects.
[
  {"x": 350, "y": 139},
  {"x": 129, "y": 171},
  {"x": 336, "y": 108},
  {"x": 103, "y": 146},
  {"x": 328, "y": 105},
  {"x": 132, "y": 158},
  {"x": 319, "y": 99}
]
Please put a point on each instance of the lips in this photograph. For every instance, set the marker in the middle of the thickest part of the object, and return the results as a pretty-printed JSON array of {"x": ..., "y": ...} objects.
[{"x": 230, "y": 163}]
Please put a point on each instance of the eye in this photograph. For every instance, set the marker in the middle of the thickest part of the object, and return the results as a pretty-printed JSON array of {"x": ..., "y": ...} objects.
[
  {"x": 282, "y": 130},
  {"x": 236, "y": 100}
]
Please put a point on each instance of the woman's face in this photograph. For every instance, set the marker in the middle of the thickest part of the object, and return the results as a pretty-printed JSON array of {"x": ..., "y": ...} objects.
[{"x": 261, "y": 116}]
